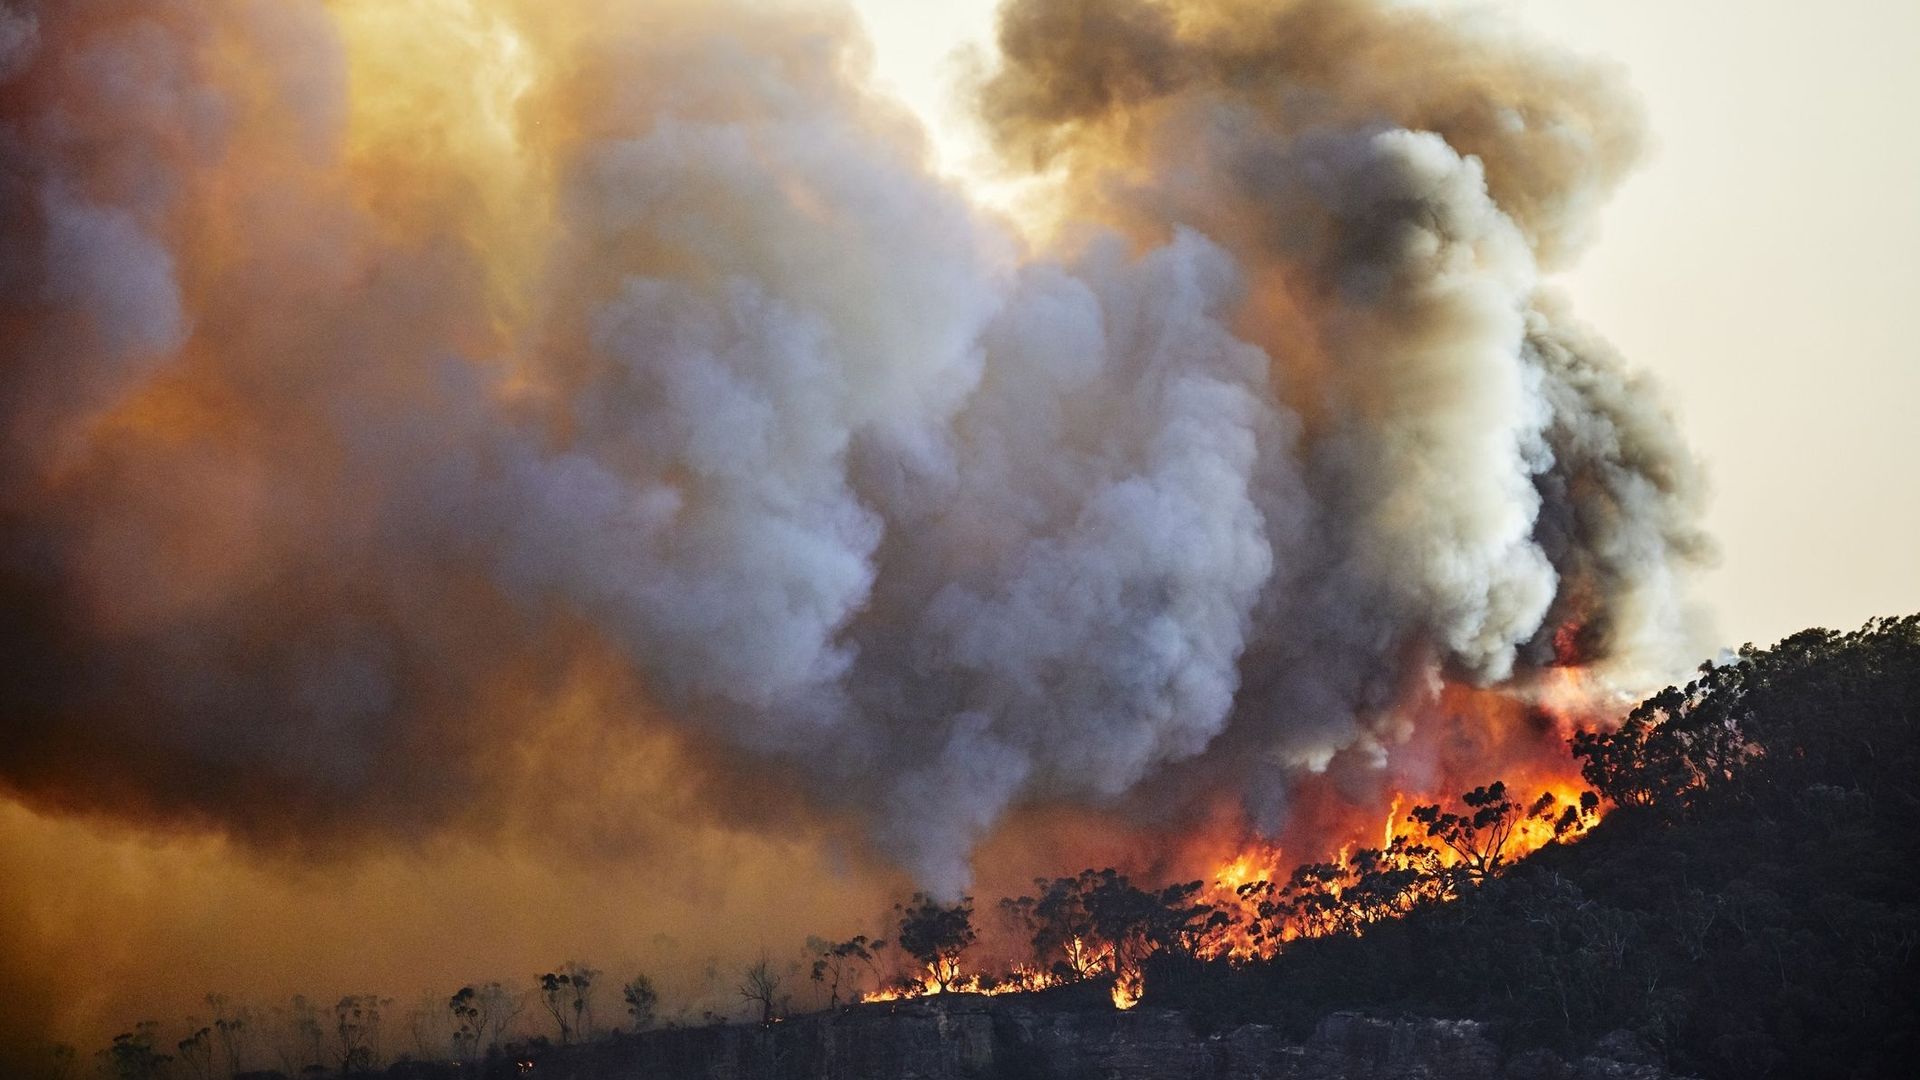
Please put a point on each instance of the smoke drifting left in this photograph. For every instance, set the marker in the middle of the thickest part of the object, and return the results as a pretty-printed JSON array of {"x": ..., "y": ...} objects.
[{"x": 493, "y": 480}]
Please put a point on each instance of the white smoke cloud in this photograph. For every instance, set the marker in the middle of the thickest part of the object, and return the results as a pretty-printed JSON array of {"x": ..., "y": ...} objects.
[{"x": 1084, "y": 589}]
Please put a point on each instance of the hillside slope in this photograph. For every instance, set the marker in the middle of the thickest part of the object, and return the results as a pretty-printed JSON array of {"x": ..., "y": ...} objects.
[{"x": 1749, "y": 906}]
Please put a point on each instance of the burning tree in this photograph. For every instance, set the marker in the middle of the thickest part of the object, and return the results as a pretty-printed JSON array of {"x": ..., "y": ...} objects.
[
  {"x": 1361, "y": 888},
  {"x": 1101, "y": 923},
  {"x": 1314, "y": 901},
  {"x": 1388, "y": 883},
  {"x": 1059, "y": 926},
  {"x": 1135, "y": 923},
  {"x": 1310, "y": 903},
  {"x": 1479, "y": 836},
  {"x": 937, "y": 935}
]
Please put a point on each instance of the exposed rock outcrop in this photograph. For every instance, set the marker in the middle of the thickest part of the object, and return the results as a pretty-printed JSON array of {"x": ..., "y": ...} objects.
[{"x": 970, "y": 1037}]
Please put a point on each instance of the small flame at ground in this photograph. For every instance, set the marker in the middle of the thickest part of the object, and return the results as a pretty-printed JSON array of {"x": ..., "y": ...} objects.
[
  {"x": 1020, "y": 979},
  {"x": 1127, "y": 990}
]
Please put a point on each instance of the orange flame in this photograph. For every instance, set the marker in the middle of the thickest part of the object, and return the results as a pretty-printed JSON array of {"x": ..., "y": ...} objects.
[
  {"x": 1464, "y": 738},
  {"x": 1020, "y": 979},
  {"x": 1474, "y": 737},
  {"x": 1127, "y": 989}
]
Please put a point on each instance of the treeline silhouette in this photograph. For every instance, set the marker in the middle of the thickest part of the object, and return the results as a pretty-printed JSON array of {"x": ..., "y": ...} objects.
[
  {"x": 1097, "y": 926},
  {"x": 479, "y": 1029},
  {"x": 1747, "y": 907}
]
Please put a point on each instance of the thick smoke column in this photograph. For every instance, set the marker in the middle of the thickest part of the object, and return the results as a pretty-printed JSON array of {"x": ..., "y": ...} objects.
[
  {"x": 367, "y": 362},
  {"x": 1489, "y": 492}
]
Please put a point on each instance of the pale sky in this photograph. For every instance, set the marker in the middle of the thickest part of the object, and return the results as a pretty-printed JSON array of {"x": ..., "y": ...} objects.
[{"x": 1760, "y": 265}]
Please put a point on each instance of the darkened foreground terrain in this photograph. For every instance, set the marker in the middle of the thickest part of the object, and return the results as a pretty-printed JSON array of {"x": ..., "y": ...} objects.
[
  {"x": 1746, "y": 908},
  {"x": 1050, "y": 1036}
]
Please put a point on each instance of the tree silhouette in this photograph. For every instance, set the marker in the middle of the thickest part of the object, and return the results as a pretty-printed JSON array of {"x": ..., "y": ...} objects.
[
  {"x": 469, "y": 1021},
  {"x": 196, "y": 1053},
  {"x": 424, "y": 1019},
  {"x": 305, "y": 1037},
  {"x": 1059, "y": 928},
  {"x": 1645, "y": 762},
  {"x": 231, "y": 1029},
  {"x": 760, "y": 985},
  {"x": 1133, "y": 923},
  {"x": 131, "y": 1055},
  {"x": 837, "y": 963},
  {"x": 641, "y": 998},
  {"x": 1479, "y": 836},
  {"x": 1390, "y": 882},
  {"x": 937, "y": 935},
  {"x": 580, "y": 980},
  {"x": 356, "y": 1028},
  {"x": 556, "y": 994},
  {"x": 481, "y": 1014}
]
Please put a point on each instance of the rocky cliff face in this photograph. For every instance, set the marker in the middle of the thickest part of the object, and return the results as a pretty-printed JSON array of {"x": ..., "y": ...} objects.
[{"x": 969, "y": 1037}]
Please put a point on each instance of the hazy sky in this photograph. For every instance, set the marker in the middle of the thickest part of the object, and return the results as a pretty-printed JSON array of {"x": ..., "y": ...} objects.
[{"x": 1760, "y": 264}]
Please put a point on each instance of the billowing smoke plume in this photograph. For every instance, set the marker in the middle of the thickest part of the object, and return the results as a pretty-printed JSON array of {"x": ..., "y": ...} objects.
[
  {"x": 1487, "y": 492},
  {"x": 367, "y": 363}
]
